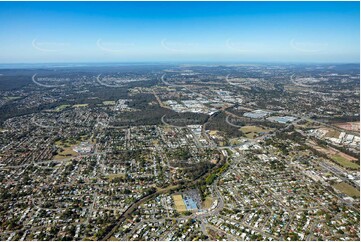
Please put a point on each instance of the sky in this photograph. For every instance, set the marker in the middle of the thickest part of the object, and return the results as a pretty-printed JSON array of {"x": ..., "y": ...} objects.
[{"x": 68, "y": 32}]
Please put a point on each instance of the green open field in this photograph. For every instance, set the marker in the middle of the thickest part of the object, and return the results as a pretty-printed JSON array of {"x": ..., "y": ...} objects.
[
  {"x": 252, "y": 131},
  {"x": 207, "y": 202},
  {"x": 61, "y": 108},
  {"x": 347, "y": 189},
  {"x": 109, "y": 103},
  {"x": 67, "y": 147},
  {"x": 80, "y": 105},
  {"x": 344, "y": 162},
  {"x": 113, "y": 176},
  {"x": 333, "y": 133},
  {"x": 67, "y": 152},
  {"x": 67, "y": 143}
]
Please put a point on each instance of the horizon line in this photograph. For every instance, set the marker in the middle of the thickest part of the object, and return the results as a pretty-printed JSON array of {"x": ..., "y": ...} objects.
[{"x": 180, "y": 62}]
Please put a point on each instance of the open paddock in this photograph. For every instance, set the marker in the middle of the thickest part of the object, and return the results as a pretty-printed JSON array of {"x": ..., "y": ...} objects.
[
  {"x": 347, "y": 189},
  {"x": 343, "y": 161},
  {"x": 252, "y": 131}
]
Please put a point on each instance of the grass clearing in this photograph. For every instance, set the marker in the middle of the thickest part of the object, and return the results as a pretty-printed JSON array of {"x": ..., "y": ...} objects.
[
  {"x": 344, "y": 162},
  {"x": 67, "y": 152},
  {"x": 325, "y": 150},
  {"x": 252, "y": 131},
  {"x": 333, "y": 133},
  {"x": 66, "y": 148},
  {"x": 213, "y": 132},
  {"x": 340, "y": 158},
  {"x": 168, "y": 188},
  {"x": 67, "y": 143},
  {"x": 61, "y": 108},
  {"x": 80, "y": 105},
  {"x": 207, "y": 203},
  {"x": 179, "y": 203},
  {"x": 113, "y": 176},
  {"x": 347, "y": 189},
  {"x": 108, "y": 103}
]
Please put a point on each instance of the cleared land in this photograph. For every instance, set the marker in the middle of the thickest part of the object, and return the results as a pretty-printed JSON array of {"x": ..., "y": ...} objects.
[
  {"x": 340, "y": 158},
  {"x": 333, "y": 133},
  {"x": 67, "y": 152},
  {"x": 108, "y": 103},
  {"x": 252, "y": 131},
  {"x": 351, "y": 126},
  {"x": 347, "y": 189},
  {"x": 66, "y": 149},
  {"x": 80, "y": 105},
  {"x": 179, "y": 203},
  {"x": 344, "y": 161},
  {"x": 113, "y": 176},
  {"x": 61, "y": 108},
  {"x": 207, "y": 202}
]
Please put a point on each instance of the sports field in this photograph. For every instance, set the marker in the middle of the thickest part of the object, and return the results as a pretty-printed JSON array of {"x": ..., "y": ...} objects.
[{"x": 179, "y": 203}]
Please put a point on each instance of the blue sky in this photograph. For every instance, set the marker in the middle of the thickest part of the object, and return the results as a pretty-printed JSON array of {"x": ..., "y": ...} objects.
[{"x": 41, "y": 32}]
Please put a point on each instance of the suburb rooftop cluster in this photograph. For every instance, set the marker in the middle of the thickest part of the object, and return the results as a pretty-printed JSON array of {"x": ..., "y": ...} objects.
[{"x": 180, "y": 152}]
